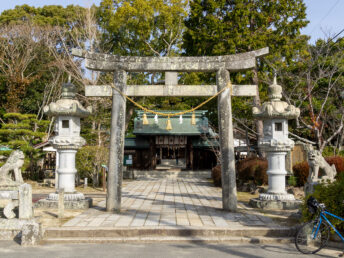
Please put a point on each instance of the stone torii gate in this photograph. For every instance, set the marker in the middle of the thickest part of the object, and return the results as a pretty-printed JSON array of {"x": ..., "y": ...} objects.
[{"x": 120, "y": 65}]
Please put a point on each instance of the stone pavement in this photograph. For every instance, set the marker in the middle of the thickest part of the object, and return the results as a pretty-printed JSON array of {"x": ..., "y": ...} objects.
[{"x": 170, "y": 203}]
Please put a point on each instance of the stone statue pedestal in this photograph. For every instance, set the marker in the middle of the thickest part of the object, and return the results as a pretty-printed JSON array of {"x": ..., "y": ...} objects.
[{"x": 309, "y": 187}]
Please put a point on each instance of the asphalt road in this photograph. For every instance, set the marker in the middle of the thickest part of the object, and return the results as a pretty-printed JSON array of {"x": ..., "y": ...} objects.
[{"x": 10, "y": 249}]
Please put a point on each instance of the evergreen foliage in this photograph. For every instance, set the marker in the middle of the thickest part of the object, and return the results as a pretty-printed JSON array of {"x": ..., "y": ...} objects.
[
  {"x": 230, "y": 27},
  {"x": 23, "y": 131}
]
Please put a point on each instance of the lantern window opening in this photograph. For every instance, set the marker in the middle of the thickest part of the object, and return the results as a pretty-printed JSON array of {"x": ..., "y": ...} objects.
[
  {"x": 279, "y": 127},
  {"x": 65, "y": 123}
]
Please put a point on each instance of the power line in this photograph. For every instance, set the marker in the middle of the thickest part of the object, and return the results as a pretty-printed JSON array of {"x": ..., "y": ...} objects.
[
  {"x": 324, "y": 17},
  {"x": 337, "y": 34}
]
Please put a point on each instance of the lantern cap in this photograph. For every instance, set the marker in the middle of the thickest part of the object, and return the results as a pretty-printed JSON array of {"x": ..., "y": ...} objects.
[
  {"x": 275, "y": 108},
  {"x": 67, "y": 105}
]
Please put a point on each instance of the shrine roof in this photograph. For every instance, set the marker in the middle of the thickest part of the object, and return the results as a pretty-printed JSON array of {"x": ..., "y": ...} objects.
[
  {"x": 136, "y": 143},
  {"x": 205, "y": 143},
  {"x": 179, "y": 126}
]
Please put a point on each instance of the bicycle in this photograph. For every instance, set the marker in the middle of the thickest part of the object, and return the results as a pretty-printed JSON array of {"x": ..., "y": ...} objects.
[{"x": 314, "y": 235}]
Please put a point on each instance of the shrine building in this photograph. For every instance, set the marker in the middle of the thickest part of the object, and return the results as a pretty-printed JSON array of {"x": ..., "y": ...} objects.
[{"x": 189, "y": 143}]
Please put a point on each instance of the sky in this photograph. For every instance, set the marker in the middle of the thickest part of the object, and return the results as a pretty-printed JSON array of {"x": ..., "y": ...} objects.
[{"x": 325, "y": 16}]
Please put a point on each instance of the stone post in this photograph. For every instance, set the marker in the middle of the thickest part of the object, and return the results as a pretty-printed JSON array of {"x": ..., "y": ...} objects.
[
  {"x": 115, "y": 173},
  {"x": 57, "y": 158},
  {"x": 171, "y": 78},
  {"x": 25, "y": 201},
  {"x": 229, "y": 193},
  {"x": 61, "y": 204}
]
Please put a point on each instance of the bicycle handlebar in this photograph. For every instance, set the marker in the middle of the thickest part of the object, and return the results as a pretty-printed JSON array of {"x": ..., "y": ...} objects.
[{"x": 313, "y": 205}]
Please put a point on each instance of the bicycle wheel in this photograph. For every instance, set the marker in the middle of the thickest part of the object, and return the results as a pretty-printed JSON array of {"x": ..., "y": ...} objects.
[{"x": 306, "y": 242}]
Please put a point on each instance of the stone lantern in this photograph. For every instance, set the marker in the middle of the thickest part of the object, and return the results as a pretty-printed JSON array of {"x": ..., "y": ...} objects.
[
  {"x": 276, "y": 144},
  {"x": 67, "y": 140}
]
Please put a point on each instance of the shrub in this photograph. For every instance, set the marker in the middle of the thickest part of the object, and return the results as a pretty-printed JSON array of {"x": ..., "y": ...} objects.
[
  {"x": 301, "y": 171},
  {"x": 338, "y": 162},
  {"x": 260, "y": 175},
  {"x": 252, "y": 169},
  {"x": 89, "y": 160},
  {"x": 292, "y": 181},
  {"x": 216, "y": 175},
  {"x": 332, "y": 196}
]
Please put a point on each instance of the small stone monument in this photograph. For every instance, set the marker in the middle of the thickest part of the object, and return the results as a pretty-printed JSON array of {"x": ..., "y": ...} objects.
[
  {"x": 276, "y": 144},
  {"x": 18, "y": 213},
  {"x": 67, "y": 141}
]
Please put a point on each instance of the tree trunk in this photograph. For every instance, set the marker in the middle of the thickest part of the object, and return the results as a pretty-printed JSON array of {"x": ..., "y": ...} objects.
[
  {"x": 129, "y": 114},
  {"x": 99, "y": 134}
]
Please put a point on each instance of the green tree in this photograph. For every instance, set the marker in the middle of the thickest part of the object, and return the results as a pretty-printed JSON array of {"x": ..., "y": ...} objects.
[
  {"x": 53, "y": 15},
  {"x": 145, "y": 28},
  {"x": 219, "y": 27}
]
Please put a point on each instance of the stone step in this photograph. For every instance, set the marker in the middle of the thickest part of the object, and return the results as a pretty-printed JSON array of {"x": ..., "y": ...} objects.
[
  {"x": 159, "y": 232},
  {"x": 167, "y": 239}
]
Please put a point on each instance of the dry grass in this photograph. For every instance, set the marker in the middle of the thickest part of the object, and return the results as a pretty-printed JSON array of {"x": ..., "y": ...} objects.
[
  {"x": 245, "y": 196},
  {"x": 49, "y": 217}
]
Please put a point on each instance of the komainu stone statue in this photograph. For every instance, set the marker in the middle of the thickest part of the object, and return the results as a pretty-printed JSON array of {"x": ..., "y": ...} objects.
[
  {"x": 14, "y": 163},
  {"x": 317, "y": 162}
]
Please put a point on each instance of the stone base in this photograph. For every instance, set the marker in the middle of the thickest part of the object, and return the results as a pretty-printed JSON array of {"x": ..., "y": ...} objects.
[
  {"x": 27, "y": 232},
  {"x": 276, "y": 197},
  {"x": 309, "y": 188},
  {"x": 275, "y": 205},
  {"x": 128, "y": 174},
  {"x": 70, "y": 205},
  {"x": 67, "y": 196}
]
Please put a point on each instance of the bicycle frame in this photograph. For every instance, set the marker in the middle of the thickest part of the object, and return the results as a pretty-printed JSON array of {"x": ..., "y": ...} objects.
[{"x": 323, "y": 217}]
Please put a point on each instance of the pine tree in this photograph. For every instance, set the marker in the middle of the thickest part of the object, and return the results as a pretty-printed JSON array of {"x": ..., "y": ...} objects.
[{"x": 23, "y": 131}]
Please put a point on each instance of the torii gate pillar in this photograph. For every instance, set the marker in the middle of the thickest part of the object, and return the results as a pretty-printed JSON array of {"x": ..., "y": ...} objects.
[
  {"x": 115, "y": 173},
  {"x": 229, "y": 192}
]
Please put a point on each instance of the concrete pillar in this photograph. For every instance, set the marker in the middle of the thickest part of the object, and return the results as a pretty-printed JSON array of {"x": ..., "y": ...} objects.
[
  {"x": 61, "y": 206},
  {"x": 229, "y": 192},
  {"x": 56, "y": 169},
  {"x": 276, "y": 172},
  {"x": 25, "y": 201},
  {"x": 66, "y": 171},
  {"x": 115, "y": 173}
]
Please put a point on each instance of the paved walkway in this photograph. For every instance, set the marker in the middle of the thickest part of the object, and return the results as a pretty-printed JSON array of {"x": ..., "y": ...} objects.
[{"x": 170, "y": 203}]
